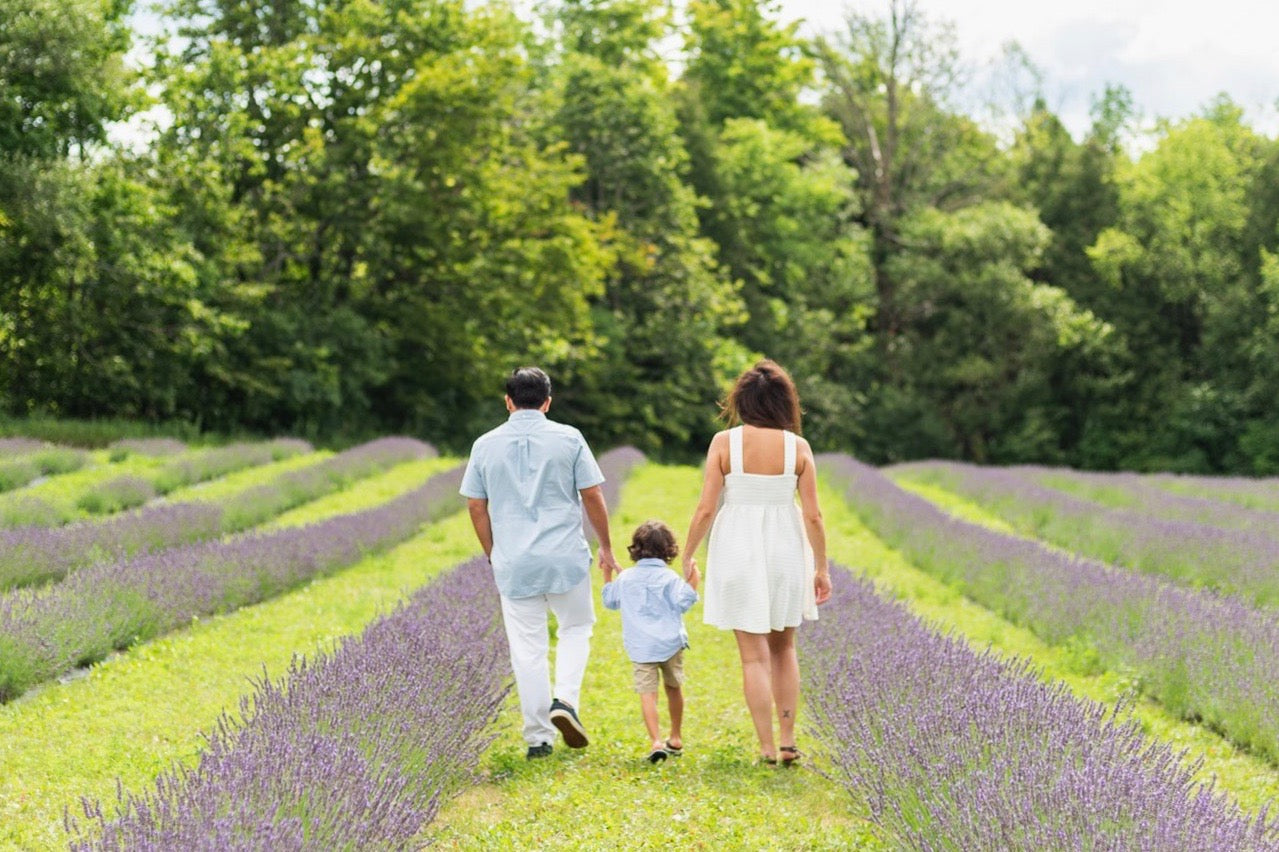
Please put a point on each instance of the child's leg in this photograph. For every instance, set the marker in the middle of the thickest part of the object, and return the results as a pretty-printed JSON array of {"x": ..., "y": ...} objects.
[
  {"x": 673, "y": 680},
  {"x": 675, "y": 703},
  {"x": 648, "y": 702}
]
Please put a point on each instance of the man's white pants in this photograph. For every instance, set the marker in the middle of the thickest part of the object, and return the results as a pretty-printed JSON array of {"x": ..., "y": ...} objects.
[{"x": 528, "y": 635}]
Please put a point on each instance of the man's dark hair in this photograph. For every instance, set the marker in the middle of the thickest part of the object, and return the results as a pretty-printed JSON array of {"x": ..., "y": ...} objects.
[
  {"x": 528, "y": 387},
  {"x": 653, "y": 540}
]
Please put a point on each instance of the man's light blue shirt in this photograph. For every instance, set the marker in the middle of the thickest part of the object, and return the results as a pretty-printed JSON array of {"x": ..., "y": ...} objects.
[
  {"x": 652, "y": 599},
  {"x": 530, "y": 469}
]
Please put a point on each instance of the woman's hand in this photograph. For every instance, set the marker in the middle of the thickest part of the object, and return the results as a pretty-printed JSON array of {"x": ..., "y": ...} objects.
[
  {"x": 691, "y": 575},
  {"x": 821, "y": 586}
]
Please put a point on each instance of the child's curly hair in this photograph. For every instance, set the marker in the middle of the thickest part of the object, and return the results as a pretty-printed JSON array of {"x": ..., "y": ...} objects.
[{"x": 653, "y": 540}]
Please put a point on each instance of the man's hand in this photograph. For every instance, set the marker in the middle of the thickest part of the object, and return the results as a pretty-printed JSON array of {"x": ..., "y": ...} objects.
[{"x": 608, "y": 564}]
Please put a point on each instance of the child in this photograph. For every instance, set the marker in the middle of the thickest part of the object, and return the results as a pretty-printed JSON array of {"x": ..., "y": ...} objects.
[{"x": 652, "y": 598}]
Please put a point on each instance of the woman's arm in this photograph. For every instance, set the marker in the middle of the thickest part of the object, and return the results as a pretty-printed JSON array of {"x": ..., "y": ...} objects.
[
  {"x": 704, "y": 514},
  {"x": 813, "y": 524}
]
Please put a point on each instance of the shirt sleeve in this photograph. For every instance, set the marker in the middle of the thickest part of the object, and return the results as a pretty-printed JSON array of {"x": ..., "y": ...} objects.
[
  {"x": 681, "y": 595},
  {"x": 586, "y": 471},
  {"x": 473, "y": 480},
  {"x": 612, "y": 599}
]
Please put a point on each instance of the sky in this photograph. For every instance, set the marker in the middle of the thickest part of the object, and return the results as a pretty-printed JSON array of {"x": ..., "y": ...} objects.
[{"x": 1173, "y": 55}]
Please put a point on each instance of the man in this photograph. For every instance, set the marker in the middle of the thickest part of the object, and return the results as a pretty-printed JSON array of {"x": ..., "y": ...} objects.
[{"x": 527, "y": 482}]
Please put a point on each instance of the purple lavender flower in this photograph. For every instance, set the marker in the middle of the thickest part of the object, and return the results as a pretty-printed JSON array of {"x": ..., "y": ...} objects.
[
  {"x": 111, "y": 605},
  {"x": 354, "y": 749},
  {"x": 1200, "y": 543},
  {"x": 146, "y": 447},
  {"x": 954, "y": 749},
  {"x": 1202, "y": 655},
  {"x": 115, "y": 495},
  {"x": 32, "y": 555},
  {"x": 20, "y": 446}
]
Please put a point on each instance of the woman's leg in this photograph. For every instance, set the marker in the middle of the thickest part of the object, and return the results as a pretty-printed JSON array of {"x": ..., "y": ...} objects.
[
  {"x": 757, "y": 686},
  {"x": 785, "y": 681}
]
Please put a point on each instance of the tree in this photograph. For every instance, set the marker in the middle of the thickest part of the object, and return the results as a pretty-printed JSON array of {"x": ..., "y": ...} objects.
[
  {"x": 1183, "y": 300},
  {"x": 361, "y": 182},
  {"x": 666, "y": 309},
  {"x": 990, "y": 349}
]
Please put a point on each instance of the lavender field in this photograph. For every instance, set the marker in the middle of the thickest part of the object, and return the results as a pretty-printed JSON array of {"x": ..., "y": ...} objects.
[{"x": 187, "y": 679}]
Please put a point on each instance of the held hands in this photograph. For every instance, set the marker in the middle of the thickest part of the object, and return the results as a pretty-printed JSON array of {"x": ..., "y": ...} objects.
[
  {"x": 608, "y": 564},
  {"x": 691, "y": 574}
]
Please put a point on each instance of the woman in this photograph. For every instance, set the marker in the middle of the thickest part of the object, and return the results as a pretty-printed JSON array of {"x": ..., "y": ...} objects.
[{"x": 766, "y": 562}]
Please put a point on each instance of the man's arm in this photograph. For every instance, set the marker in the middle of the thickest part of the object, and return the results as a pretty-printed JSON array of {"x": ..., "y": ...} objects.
[
  {"x": 479, "y": 510},
  {"x": 597, "y": 514}
]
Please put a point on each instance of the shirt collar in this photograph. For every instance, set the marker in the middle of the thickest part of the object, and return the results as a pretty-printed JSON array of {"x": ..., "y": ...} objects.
[
  {"x": 651, "y": 562},
  {"x": 527, "y": 414}
]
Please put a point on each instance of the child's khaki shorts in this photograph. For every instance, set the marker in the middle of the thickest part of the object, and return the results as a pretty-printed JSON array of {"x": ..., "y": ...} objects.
[{"x": 672, "y": 673}]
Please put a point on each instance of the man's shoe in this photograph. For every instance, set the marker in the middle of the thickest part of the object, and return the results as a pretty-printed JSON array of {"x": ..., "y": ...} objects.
[
  {"x": 565, "y": 718},
  {"x": 539, "y": 750}
]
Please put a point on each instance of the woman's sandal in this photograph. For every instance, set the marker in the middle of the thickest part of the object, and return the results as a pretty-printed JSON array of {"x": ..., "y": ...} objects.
[
  {"x": 765, "y": 760},
  {"x": 790, "y": 755},
  {"x": 673, "y": 751}
]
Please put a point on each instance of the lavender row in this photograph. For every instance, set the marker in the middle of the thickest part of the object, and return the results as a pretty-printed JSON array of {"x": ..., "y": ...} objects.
[
  {"x": 1204, "y": 656},
  {"x": 34, "y": 555},
  {"x": 954, "y": 749},
  {"x": 113, "y": 605},
  {"x": 1252, "y": 492},
  {"x": 20, "y": 446},
  {"x": 1143, "y": 493},
  {"x": 125, "y": 492},
  {"x": 145, "y": 447},
  {"x": 19, "y": 470},
  {"x": 1243, "y": 562},
  {"x": 354, "y": 749},
  {"x": 616, "y": 465}
]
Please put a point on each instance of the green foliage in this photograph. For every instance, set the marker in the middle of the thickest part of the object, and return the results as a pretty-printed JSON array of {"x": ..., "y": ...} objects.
[
  {"x": 62, "y": 76},
  {"x": 988, "y": 345},
  {"x": 350, "y": 217},
  {"x": 666, "y": 307}
]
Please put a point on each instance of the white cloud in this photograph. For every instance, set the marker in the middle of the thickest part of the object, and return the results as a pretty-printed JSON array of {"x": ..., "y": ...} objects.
[{"x": 1174, "y": 55}]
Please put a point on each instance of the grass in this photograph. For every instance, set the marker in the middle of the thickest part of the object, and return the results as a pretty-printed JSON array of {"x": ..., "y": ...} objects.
[
  {"x": 1250, "y": 780},
  {"x": 606, "y": 796},
  {"x": 62, "y": 492},
  {"x": 366, "y": 493},
  {"x": 137, "y": 713},
  {"x": 229, "y": 486}
]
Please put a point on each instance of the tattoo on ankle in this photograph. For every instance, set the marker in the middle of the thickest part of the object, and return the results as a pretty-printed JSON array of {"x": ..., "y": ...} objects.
[{"x": 785, "y": 714}]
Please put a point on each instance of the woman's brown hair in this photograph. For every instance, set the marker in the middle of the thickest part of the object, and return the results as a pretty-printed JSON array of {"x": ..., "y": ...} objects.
[
  {"x": 653, "y": 540},
  {"x": 765, "y": 396}
]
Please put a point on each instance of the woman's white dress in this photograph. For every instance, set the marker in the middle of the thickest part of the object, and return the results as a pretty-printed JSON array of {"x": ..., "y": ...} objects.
[{"x": 759, "y": 565}]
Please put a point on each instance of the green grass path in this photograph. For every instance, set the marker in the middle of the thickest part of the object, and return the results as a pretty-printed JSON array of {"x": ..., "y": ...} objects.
[
  {"x": 135, "y": 714},
  {"x": 606, "y": 796}
]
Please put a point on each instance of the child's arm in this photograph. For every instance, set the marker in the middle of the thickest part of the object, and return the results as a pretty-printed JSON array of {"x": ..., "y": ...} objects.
[
  {"x": 680, "y": 594},
  {"x": 612, "y": 596}
]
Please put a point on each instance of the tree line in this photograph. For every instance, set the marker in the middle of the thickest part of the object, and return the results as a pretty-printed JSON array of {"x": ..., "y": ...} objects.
[{"x": 341, "y": 217}]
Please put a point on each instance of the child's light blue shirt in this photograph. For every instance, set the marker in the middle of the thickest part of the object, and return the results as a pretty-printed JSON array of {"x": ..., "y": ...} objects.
[{"x": 652, "y": 599}]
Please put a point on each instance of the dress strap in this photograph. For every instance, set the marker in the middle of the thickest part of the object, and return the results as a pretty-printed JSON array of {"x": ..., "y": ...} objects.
[
  {"x": 735, "y": 450},
  {"x": 788, "y": 449}
]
